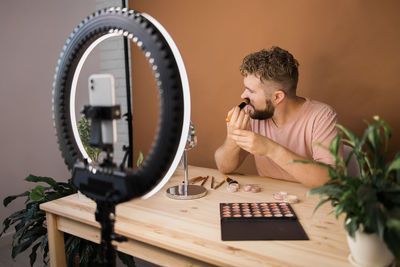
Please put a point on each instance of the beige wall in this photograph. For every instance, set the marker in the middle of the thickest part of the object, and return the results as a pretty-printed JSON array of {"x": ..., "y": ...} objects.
[
  {"x": 33, "y": 34},
  {"x": 348, "y": 54}
]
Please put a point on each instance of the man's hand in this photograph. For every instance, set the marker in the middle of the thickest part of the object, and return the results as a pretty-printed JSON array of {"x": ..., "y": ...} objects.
[
  {"x": 251, "y": 142},
  {"x": 239, "y": 120},
  {"x": 229, "y": 156},
  {"x": 308, "y": 174}
]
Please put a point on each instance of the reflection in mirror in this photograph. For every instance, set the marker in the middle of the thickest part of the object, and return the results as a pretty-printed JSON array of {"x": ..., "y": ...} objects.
[
  {"x": 106, "y": 58},
  {"x": 145, "y": 104}
]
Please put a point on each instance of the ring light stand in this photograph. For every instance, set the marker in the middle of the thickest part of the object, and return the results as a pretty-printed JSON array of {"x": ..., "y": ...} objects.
[
  {"x": 106, "y": 184},
  {"x": 186, "y": 190}
]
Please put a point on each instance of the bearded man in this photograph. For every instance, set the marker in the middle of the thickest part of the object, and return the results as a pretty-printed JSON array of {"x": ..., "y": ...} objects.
[{"x": 277, "y": 126}]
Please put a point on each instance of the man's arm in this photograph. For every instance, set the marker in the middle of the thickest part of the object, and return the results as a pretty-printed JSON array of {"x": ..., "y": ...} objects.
[
  {"x": 308, "y": 174},
  {"x": 230, "y": 156}
]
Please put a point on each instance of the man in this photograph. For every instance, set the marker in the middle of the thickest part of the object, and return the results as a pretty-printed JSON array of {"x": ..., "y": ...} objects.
[{"x": 277, "y": 126}]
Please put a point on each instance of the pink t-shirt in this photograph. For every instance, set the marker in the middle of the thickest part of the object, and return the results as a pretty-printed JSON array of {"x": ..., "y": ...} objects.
[{"x": 315, "y": 123}]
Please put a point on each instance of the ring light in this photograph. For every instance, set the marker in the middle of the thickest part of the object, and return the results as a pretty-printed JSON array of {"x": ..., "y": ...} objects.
[{"x": 169, "y": 71}]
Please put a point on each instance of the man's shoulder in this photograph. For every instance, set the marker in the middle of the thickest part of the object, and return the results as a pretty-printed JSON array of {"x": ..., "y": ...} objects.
[{"x": 319, "y": 108}]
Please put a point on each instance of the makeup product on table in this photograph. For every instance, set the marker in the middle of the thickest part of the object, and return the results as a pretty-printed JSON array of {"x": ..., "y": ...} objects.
[
  {"x": 292, "y": 199},
  {"x": 231, "y": 181},
  {"x": 219, "y": 184},
  {"x": 247, "y": 188},
  {"x": 279, "y": 195},
  {"x": 283, "y": 196},
  {"x": 196, "y": 179},
  {"x": 251, "y": 188},
  {"x": 233, "y": 186},
  {"x": 204, "y": 181},
  {"x": 241, "y": 106},
  {"x": 212, "y": 182},
  {"x": 260, "y": 221}
]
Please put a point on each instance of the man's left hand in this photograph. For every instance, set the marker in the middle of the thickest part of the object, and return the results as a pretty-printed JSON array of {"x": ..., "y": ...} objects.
[{"x": 254, "y": 143}]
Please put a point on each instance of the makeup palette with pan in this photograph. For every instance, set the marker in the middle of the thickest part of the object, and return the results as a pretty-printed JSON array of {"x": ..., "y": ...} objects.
[{"x": 260, "y": 221}]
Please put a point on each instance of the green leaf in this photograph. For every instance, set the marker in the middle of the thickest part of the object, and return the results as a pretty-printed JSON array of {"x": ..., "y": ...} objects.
[
  {"x": 140, "y": 159},
  {"x": 388, "y": 132},
  {"x": 9, "y": 199},
  {"x": 32, "y": 256},
  {"x": 394, "y": 213},
  {"x": 47, "y": 180},
  {"x": 375, "y": 138},
  {"x": 37, "y": 231},
  {"x": 332, "y": 190},
  {"x": 21, "y": 247},
  {"x": 18, "y": 228},
  {"x": 44, "y": 246},
  {"x": 72, "y": 245},
  {"x": 395, "y": 165},
  {"x": 339, "y": 209},
  {"x": 353, "y": 139},
  {"x": 44, "y": 243},
  {"x": 13, "y": 218},
  {"x": 128, "y": 260},
  {"x": 375, "y": 219},
  {"x": 37, "y": 193},
  {"x": 320, "y": 203},
  {"x": 311, "y": 162},
  {"x": 390, "y": 196},
  {"x": 25, "y": 227},
  {"x": 351, "y": 226},
  {"x": 334, "y": 147},
  {"x": 366, "y": 193},
  {"x": 6, "y": 225},
  {"x": 84, "y": 132},
  {"x": 394, "y": 225},
  {"x": 392, "y": 241}
]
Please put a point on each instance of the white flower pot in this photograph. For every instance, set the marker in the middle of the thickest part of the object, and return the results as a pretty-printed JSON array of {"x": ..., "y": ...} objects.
[{"x": 367, "y": 250}]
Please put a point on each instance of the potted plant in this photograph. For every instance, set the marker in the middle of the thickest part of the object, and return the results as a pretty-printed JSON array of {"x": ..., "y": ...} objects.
[
  {"x": 30, "y": 222},
  {"x": 371, "y": 202}
]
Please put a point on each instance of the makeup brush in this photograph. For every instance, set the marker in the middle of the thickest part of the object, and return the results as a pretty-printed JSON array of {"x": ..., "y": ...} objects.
[
  {"x": 219, "y": 184},
  {"x": 241, "y": 106}
]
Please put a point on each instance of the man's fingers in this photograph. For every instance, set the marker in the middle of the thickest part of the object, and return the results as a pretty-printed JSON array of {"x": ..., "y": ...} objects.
[
  {"x": 243, "y": 145},
  {"x": 230, "y": 112},
  {"x": 235, "y": 114},
  {"x": 237, "y": 138},
  {"x": 240, "y": 132},
  {"x": 245, "y": 122}
]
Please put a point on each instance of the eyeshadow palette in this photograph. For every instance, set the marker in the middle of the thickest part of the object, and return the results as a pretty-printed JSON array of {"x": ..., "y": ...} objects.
[{"x": 260, "y": 221}]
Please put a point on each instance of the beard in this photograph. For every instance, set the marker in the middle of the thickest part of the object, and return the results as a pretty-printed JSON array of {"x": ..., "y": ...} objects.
[{"x": 262, "y": 114}]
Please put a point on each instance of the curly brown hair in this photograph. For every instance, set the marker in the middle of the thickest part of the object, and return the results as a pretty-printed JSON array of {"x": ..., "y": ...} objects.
[{"x": 275, "y": 64}]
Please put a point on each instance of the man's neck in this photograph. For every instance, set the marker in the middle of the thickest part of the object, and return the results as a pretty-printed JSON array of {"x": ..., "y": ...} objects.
[{"x": 287, "y": 110}]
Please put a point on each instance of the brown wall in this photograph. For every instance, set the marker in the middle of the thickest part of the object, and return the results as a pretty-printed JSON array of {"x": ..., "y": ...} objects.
[{"x": 348, "y": 54}]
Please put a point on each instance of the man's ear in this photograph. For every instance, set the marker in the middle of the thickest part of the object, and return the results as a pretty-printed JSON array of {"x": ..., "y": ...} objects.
[{"x": 278, "y": 96}]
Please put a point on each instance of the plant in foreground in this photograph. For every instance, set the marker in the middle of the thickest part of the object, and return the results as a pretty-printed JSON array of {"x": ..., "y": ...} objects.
[{"x": 370, "y": 202}]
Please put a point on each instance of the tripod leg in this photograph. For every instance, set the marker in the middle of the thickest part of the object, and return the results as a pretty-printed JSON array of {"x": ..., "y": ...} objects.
[{"x": 105, "y": 215}]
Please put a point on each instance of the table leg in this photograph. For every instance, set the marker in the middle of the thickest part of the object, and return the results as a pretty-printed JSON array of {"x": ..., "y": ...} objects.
[{"x": 56, "y": 242}]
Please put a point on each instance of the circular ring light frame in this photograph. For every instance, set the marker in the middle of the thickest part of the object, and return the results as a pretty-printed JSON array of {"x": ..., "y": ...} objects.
[{"x": 169, "y": 71}]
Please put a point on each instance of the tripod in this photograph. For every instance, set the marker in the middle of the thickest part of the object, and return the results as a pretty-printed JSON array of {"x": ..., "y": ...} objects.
[
  {"x": 100, "y": 184},
  {"x": 105, "y": 215}
]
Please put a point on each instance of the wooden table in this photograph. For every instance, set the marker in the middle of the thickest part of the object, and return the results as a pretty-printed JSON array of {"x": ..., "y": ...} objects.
[{"x": 172, "y": 232}]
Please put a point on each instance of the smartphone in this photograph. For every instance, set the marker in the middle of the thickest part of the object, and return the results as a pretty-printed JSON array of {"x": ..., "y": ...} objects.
[{"x": 102, "y": 93}]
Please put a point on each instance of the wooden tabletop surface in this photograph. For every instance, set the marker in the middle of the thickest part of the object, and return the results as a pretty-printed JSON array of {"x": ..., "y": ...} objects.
[{"x": 192, "y": 227}]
